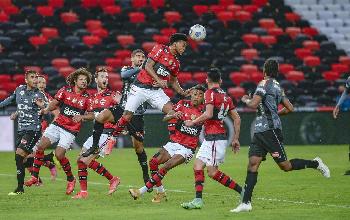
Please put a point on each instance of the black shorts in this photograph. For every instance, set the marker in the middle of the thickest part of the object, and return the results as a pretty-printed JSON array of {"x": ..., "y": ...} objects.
[
  {"x": 136, "y": 127},
  {"x": 117, "y": 112},
  {"x": 26, "y": 140},
  {"x": 270, "y": 141}
]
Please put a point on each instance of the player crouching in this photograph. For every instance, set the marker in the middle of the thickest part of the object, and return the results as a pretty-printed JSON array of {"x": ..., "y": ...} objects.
[{"x": 180, "y": 148}]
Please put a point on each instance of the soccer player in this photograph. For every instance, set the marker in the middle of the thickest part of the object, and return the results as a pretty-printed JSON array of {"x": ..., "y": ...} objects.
[
  {"x": 337, "y": 107},
  {"x": 212, "y": 151},
  {"x": 268, "y": 133},
  {"x": 181, "y": 147},
  {"x": 104, "y": 98},
  {"x": 73, "y": 101},
  {"x": 161, "y": 69},
  {"x": 29, "y": 101}
]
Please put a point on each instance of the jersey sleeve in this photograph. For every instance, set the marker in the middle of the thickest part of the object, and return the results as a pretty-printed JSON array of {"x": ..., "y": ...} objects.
[
  {"x": 261, "y": 89},
  {"x": 209, "y": 97},
  {"x": 156, "y": 52},
  {"x": 60, "y": 95}
]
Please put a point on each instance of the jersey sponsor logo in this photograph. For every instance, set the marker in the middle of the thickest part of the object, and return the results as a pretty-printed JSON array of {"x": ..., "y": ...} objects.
[
  {"x": 70, "y": 112},
  {"x": 189, "y": 130},
  {"x": 24, "y": 107},
  {"x": 163, "y": 71}
]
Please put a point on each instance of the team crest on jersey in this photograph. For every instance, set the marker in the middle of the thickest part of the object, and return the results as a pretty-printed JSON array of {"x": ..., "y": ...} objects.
[
  {"x": 171, "y": 62},
  {"x": 193, "y": 117},
  {"x": 68, "y": 89},
  {"x": 21, "y": 92}
]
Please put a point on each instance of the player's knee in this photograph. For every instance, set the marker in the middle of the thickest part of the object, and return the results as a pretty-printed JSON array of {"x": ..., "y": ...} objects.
[
  {"x": 285, "y": 167},
  {"x": 253, "y": 167},
  {"x": 211, "y": 173},
  {"x": 59, "y": 155}
]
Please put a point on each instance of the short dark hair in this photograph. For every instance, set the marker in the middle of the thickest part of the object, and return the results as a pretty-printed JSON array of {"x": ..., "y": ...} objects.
[
  {"x": 28, "y": 72},
  {"x": 199, "y": 87},
  {"x": 177, "y": 37},
  {"x": 72, "y": 77},
  {"x": 100, "y": 70},
  {"x": 271, "y": 68},
  {"x": 134, "y": 52},
  {"x": 214, "y": 75}
]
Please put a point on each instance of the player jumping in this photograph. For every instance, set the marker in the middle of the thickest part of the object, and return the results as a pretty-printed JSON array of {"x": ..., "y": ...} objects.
[
  {"x": 212, "y": 151},
  {"x": 74, "y": 102},
  {"x": 268, "y": 133},
  {"x": 182, "y": 145}
]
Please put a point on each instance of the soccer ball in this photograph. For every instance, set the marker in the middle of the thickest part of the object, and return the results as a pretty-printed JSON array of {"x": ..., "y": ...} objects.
[{"x": 197, "y": 32}]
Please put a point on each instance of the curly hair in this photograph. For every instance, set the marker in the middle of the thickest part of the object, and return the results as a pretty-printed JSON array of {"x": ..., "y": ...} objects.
[{"x": 73, "y": 77}]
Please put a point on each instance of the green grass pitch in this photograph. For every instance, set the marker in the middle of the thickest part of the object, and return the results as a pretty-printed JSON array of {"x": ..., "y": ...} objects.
[{"x": 278, "y": 195}]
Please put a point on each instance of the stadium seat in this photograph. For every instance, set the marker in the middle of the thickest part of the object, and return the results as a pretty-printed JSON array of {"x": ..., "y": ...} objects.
[
  {"x": 93, "y": 24},
  {"x": 275, "y": 31},
  {"x": 295, "y": 76},
  {"x": 60, "y": 62},
  {"x": 49, "y": 32},
  {"x": 249, "y": 54},
  {"x": 310, "y": 31},
  {"x": 91, "y": 40},
  {"x": 200, "y": 77},
  {"x": 139, "y": 4},
  {"x": 122, "y": 54},
  {"x": 267, "y": 23},
  {"x": 215, "y": 9},
  {"x": 330, "y": 75},
  {"x": 112, "y": 10},
  {"x": 19, "y": 79},
  {"x": 250, "y": 39},
  {"x": 172, "y": 17},
  {"x": 45, "y": 11},
  {"x": 311, "y": 44},
  {"x": 168, "y": 31},
  {"x": 256, "y": 77},
  {"x": 293, "y": 31},
  {"x": 200, "y": 9},
  {"x": 5, "y": 78},
  {"x": 137, "y": 17},
  {"x": 106, "y": 3},
  {"x": 56, "y": 3},
  {"x": 340, "y": 68},
  {"x": 125, "y": 40},
  {"x": 11, "y": 10},
  {"x": 156, "y": 4},
  {"x": 259, "y": 3},
  {"x": 268, "y": 40},
  {"x": 301, "y": 53},
  {"x": 8, "y": 87},
  {"x": 249, "y": 68},
  {"x": 236, "y": 92},
  {"x": 147, "y": 46},
  {"x": 89, "y": 3},
  {"x": 114, "y": 77},
  {"x": 234, "y": 8},
  {"x": 3, "y": 94},
  {"x": 69, "y": 17},
  {"x": 292, "y": 17},
  {"x": 284, "y": 68},
  {"x": 38, "y": 40},
  {"x": 312, "y": 61},
  {"x": 250, "y": 8},
  {"x": 238, "y": 77},
  {"x": 4, "y": 17},
  {"x": 100, "y": 32},
  {"x": 226, "y": 2},
  {"x": 184, "y": 77},
  {"x": 116, "y": 85},
  {"x": 243, "y": 16},
  {"x": 114, "y": 62},
  {"x": 225, "y": 16},
  {"x": 161, "y": 39},
  {"x": 344, "y": 60},
  {"x": 65, "y": 71}
]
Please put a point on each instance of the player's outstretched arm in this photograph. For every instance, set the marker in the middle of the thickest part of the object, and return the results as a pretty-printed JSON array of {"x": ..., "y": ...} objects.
[
  {"x": 150, "y": 70},
  {"x": 237, "y": 127},
  {"x": 252, "y": 102},
  {"x": 287, "y": 106},
  {"x": 127, "y": 73},
  {"x": 8, "y": 100},
  {"x": 174, "y": 83},
  {"x": 173, "y": 115}
]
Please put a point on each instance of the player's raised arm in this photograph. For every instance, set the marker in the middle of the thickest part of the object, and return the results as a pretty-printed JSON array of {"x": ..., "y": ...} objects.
[
  {"x": 8, "y": 100},
  {"x": 126, "y": 73},
  {"x": 149, "y": 67},
  {"x": 174, "y": 82}
]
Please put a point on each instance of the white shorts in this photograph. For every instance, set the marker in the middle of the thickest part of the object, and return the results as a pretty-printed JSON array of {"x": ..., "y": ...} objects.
[
  {"x": 57, "y": 134},
  {"x": 102, "y": 143},
  {"x": 212, "y": 153},
  {"x": 175, "y": 148},
  {"x": 156, "y": 98}
]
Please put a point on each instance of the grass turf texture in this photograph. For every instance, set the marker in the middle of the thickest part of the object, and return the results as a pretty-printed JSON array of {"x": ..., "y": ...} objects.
[{"x": 278, "y": 195}]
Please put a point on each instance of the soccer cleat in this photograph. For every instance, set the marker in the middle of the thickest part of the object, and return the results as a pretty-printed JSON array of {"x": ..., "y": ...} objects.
[
  {"x": 16, "y": 192},
  {"x": 31, "y": 181},
  {"x": 159, "y": 196},
  {"x": 113, "y": 184},
  {"x": 135, "y": 193},
  {"x": 53, "y": 172},
  {"x": 243, "y": 207},
  {"x": 92, "y": 150},
  {"x": 81, "y": 195},
  {"x": 110, "y": 145},
  {"x": 347, "y": 173},
  {"x": 197, "y": 203},
  {"x": 39, "y": 183},
  {"x": 323, "y": 168},
  {"x": 70, "y": 186}
]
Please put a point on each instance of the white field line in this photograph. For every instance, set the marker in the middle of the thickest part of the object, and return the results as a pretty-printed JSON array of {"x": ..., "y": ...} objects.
[{"x": 212, "y": 194}]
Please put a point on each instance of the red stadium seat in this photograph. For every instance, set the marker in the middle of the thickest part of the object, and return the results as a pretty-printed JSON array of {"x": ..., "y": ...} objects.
[
  {"x": 65, "y": 71},
  {"x": 69, "y": 17},
  {"x": 139, "y": 3},
  {"x": 311, "y": 44},
  {"x": 100, "y": 32},
  {"x": 38, "y": 40},
  {"x": 155, "y": 4},
  {"x": 344, "y": 60},
  {"x": 225, "y": 16},
  {"x": 293, "y": 31},
  {"x": 249, "y": 54},
  {"x": 340, "y": 68},
  {"x": 4, "y": 17},
  {"x": 200, "y": 9},
  {"x": 301, "y": 53},
  {"x": 116, "y": 85},
  {"x": 148, "y": 46},
  {"x": 89, "y": 3},
  {"x": 112, "y": 10},
  {"x": 35, "y": 68},
  {"x": 256, "y": 77},
  {"x": 312, "y": 61},
  {"x": 91, "y": 40},
  {"x": 310, "y": 31},
  {"x": 236, "y": 92},
  {"x": 284, "y": 68},
  {"x": 137, "y": 17},
  {"x": 169, "y": 92},
  {"x": 127, "y": 61},
  {"x": 8, "y": 87},
  {"x": 49, "y": 32},
  {"x": 268, "y": 39},
  {"x": 172, "y": 17},
  {"x": 4, "y": 78},
  {"x": 19, "y": 79},
  {"x": 56, "y": 3},
  {"x": 125, "y": 40},
  {"x": 200, "y": 77},
  {"x": 122, "y": 54},
  {"x": 275, "y": 31},
  {"x": 216, "y": 8},
  {"x": 45, "y": 11},
  {"x": 11, "y": 10},
  {"x": 184, "y": 77},
  {"x": 161, "y": 39},
  {"x": 234, "y": 8},
  {"x": 267, "y": 23},
  {"x": 295, "y": 76},
  {"x": 249, "y": 68},
  {"x": 5, "y": 3},
  {"x": 243, "y": 16},
  {"x": 168, "y": 31},
  {"x": 226, "y": 2},
  {"x": 238, "y": 77},
  {"x": 250, "y": 39},
  {"x": 114, "y": 62},
  {"x": 292, "y": 17},
  {"x": 93, "y": 24},
  {"x": 60, "y": 62},
  {"x": 259, "y": 2},
  {"x": 113, "y": 77},
  {"x": 251, "y": 8},
  {"x": 3, "y": 94},
  {"x": 330, "y": 75},
  {"x": 106, "y": 3}
]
